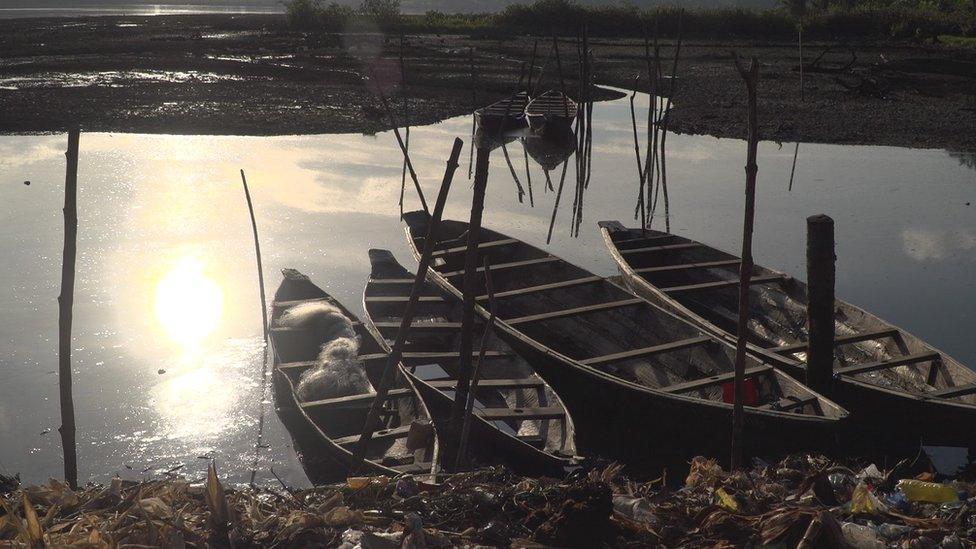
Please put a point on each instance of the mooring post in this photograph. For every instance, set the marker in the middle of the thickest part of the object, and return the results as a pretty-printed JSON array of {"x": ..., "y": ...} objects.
[
  {"x": 470, "y": 289},
  {"x": 65, "y": 304},
  {"x": 820, "y": 302}
]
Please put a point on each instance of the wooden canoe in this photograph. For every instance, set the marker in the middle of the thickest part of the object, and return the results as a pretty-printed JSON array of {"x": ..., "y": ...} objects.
[
  {"x": 644, "y": 386},
  {"x": 899, "y": 389},
  {"x": 552, "y": 108},
  {"x": 519, "y": 421},
  {"x": 327, "y": 432},
  {"x": 503, "y": 116}
]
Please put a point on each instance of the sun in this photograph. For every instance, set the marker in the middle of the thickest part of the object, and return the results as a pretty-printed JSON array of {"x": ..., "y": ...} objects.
[{"x": 188, "y": 303}]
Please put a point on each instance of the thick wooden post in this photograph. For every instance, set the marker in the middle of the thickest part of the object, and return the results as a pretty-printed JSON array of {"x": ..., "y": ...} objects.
[
  {"x": 389, "y": 373},
  {"x": 65, "y": 304},
  {"x": 751, "y": 77},
  {"x": 820, "y": 302},
  {"x": 470, "y": 287}
]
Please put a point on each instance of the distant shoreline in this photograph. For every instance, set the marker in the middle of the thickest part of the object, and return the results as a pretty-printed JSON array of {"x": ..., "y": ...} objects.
[{"x": 135, "y": 11}]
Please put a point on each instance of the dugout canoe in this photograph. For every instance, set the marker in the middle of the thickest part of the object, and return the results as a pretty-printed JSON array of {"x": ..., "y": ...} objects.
[
  {"x": 519, "y": 421},
  {"x": 551, "y": 109},
  {"x": 899, "y": 389},
  {"x": 644, "y": 386},
  {"x": 327, "y": 432},
  {"x": 503, "y": 116}
]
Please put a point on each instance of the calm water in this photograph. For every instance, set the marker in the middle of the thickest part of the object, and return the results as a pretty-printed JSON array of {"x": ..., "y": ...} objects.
[
  {"x": 135, "y": 9},
  {"x": 166, "y": 278}
]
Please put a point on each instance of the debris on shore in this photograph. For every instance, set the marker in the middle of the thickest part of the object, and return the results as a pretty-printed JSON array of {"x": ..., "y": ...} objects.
[{"x": 802, "y": 501}]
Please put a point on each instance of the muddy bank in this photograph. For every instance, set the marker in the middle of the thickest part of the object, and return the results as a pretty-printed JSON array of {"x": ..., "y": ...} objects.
[{"x": 251, "y": 75}]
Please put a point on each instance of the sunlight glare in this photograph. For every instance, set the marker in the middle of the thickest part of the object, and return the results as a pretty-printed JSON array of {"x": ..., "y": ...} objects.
[{"x": 188, "y": 303}]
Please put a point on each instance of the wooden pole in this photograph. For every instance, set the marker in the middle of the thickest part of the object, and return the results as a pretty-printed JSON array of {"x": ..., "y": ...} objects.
[
  {"x": 535, "y": 50},
  {"x": 65, "y": 304},
  {"x": 389, "y": 373},
  {"x": 403, "y": 147},
  {"x": 559, "y": 65},
  {"x": 257, "y": 253},
  {"x": 476, "y": 375},
  {"x": 820, "y": 302},
  {"x": 470, "y": 286},
  {"x": 528, "y": 174},
  {"x": 751, "y": 78}
]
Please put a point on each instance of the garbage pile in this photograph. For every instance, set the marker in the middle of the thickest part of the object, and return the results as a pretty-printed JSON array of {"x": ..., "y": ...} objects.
[{"x": 802, "y": 501}]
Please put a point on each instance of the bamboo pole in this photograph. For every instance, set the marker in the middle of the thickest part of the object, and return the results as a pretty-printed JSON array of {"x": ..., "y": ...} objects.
[
  {"x": 535, "y": 50},
  {"x": 455, "y": 425},
  {"x": 257, "y": 253},
  {"x": 476, "y": 375},
  {"x": 65, "y": 304},
  {"x": 528, "y": 174},
  {"x": 389, "y": 373},
  {"x": 559, "y": 65},
  {"x": 474, "y": 118},
  {"x": 665, "y": 122},
  {"x": 403, "y": 147},
  {"x": 751, "y": 78},
  {"x": 796, "y": 152}
]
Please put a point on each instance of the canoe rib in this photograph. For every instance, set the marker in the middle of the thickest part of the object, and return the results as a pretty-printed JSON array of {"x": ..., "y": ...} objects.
[
  {"x": 714, "y": 380},
  {"x": 648, "y": 351},
  {"x": 885, "y": 364},
  {"x": 838, "y": 341},
  {"x": 544, "y": 287},
  {"x": 575, "y": 311}
]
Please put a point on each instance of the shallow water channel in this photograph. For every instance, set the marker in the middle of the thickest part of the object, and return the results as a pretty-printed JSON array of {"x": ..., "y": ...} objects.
[{"x": 167, "y": 332}]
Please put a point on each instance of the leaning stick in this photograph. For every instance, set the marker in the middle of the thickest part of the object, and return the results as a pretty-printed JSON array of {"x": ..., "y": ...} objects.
[
  {"x": 389, "y": 373},
  {"x": 476, "y": 374},
  {"x": 403, "y": 148},
  {"x": 257, "y": 253}
]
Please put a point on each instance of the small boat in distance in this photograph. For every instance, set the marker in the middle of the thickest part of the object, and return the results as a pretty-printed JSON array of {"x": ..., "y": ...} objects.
[
  {"x": 644, "y": 386},
  {"x": 327, "y": 431},
  {"x": 503, "y": 116},
  {"x": 518, "y": 420},
  {"x": 899, "y": 389},
  {"x": 552, "y": 108}
]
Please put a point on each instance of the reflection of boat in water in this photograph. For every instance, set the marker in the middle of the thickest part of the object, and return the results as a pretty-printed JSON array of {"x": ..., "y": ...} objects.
[
  {"x": 551, "y": 147},
  {"x": 505, "y": 115},
  {"x": 493, "y": 139},
  {"x": 552, "y": 108}
]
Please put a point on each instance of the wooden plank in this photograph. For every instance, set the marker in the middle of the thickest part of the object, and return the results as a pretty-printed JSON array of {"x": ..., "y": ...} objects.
[
  {"x": 292, "y": 303},
  {"x": 642, "y": 239},
  {"x": 544, "y": 287},
  {"x": 391, "y": 281},
  {"x": 648, "y": 351},
  {"x": 353, "y": 400},
  {"x": 689, "y": 266},
  {"x": 575, "y": 311},
  {"x": 425, "y": 326},
  {"x": 502, "y": 414},
  {"x": 481, "y": 246},
  {"x": 397, "y": 432},
  {"x": 435, "y": 356},
  {"x": 503, "y": 266},
  {"x": 664, "y": 248},
  {"x": 787, "y": 405},
  {"x": 722, "y": 284},
  {"x": 838, "y": 341},
  {"x": 952, "y": 392},
  {"x": 885, "y": 364},
  {"x": 714, "y": 380},
  {"x": 403, "y": 299},
  {"x": 302, "y": 365},
  {"x": 526, "y": 383}
]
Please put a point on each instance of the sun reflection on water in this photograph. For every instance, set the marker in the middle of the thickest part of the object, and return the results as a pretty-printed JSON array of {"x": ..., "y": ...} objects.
[{"x": 188, "y": 303}]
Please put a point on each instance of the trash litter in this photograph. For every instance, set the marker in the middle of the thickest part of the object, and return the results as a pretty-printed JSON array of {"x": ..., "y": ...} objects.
[
  {"x": 781, "y": 504},
  {"x": 932, "y": 492}
]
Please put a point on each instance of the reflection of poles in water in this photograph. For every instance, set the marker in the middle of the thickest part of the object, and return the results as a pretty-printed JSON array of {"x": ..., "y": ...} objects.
[
  {"x": 549, "y": 186},
  {"x": 640, "y": 167},
  {"x": 584, "y": 132},
  {"x": 665, "y": 121},
  {"x": 518, "y": 184},
  {"x": 796, "y": 151},
  {"x": 528, "y": 174},
  {"x": 555, "y": 206}
]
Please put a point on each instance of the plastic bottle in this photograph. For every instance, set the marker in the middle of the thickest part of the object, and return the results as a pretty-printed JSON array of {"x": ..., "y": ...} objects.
[
  {"x": 861, "y": 537},
  {"x": 638, "y": 509},
  {"x": 932, "y": 492}
]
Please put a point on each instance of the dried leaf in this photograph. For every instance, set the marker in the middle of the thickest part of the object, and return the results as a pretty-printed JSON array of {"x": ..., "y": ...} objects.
[
  {"x": 34, "y": 531},
  {"x": 216, "y": 502}
]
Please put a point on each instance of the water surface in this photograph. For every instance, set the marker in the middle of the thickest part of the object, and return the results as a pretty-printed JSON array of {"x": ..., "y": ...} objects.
[{"x": 167, "y": 338}]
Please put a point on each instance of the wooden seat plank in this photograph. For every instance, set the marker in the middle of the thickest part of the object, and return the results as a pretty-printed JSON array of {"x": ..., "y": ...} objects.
[
  {"x": 689, "y": 266},
  {"x": 786, "y": 404},
  {"x": 722, "y": 284},
  {"x": 885, "y": 364},
  {"x": 664, "y": 248},
  {"x": 481, "y": 246},
  {"x": 648, "y": 351},
  {"x": 403, "y": 299},
  {"x": 503, "y": 266},
  {"x": 642, "y": 239},
  {"x": 425, "y": 326},
  {"x": 527, "y": 383},
  {"x": 544, "y": 287},
  {"x": 575, "y": 311},
  {"x": 838, "y": 341},
  {"x": 381, "y": 434},
  {"x": 714, "y": 380},
  {"x": 502, "y": 414},
  {"x": 353, "y": 400}
]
